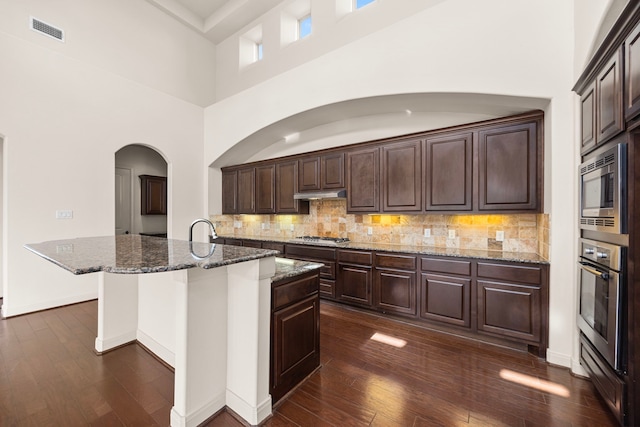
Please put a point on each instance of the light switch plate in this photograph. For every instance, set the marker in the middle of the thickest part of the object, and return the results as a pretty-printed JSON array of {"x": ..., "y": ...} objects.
[
  {"x": 499, "y": 236},
  {"x": 452, "y": 234},
  {"x": 369, "y": 231},
  {"x": 64, "y": 214},
  {"x": 427, "y": 232}
]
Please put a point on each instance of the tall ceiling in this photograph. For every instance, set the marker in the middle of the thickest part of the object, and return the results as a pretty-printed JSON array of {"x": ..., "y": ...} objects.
[{"x": 216, "y": 19}]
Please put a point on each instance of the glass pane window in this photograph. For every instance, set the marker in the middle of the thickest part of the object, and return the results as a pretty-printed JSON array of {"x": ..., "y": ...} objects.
[
  {"x": 258, "y": 51},
  {"x": 304, "y": 26},
  {"x": 362, "y": 3}
]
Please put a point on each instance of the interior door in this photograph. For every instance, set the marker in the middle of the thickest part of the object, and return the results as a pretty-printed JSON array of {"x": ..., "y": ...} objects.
[{"x": 123, "y": 200}]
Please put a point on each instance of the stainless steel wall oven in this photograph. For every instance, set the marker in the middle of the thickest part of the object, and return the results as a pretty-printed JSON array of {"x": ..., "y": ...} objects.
[
  {"x": 603, "y": 189},
  {"x": 601, "y": 311}
]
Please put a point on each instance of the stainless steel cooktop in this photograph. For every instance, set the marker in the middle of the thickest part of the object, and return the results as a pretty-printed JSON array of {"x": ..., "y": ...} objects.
[{"x": 318, "y": 240}]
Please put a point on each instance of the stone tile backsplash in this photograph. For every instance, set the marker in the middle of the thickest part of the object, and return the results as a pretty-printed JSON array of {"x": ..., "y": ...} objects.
[{"x": 522, "y": 232}]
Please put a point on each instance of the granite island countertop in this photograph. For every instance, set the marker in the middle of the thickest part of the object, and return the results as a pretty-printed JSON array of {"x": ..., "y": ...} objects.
[
  {"x": 135, "y": 254},
  {"x": 286, "y": 268},
  {"x": 527, "y": 257}
]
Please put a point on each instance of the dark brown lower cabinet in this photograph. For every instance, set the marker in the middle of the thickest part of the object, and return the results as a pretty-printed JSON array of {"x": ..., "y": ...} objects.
[
  {"x": 326, "y": 256},
  {"x": 446, "y": 299},
  {"x": 354, "y": 278},
  {"x": 295, "y": 332},
  {"x": 509, "y": 309},
  {"x": 395, "y": 291},
  {"x": 394, "y": 286}
]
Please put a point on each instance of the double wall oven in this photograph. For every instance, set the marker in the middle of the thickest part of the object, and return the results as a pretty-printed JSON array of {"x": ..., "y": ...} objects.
[{"x": 601, "y": 263}]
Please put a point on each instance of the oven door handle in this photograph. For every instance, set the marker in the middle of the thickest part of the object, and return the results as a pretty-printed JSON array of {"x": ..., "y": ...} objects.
[{"x": 603, "y": 276}]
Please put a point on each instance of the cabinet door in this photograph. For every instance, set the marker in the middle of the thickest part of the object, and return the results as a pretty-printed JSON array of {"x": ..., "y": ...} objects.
[
  {"x": 295, "y": 348},
  {"x": 265, "y": 189},
  {"x": 402, "y": 177},
  {"x": 363, "y": 192},
  {"x": 588, "y": 115},
  {"x": 448, "y": 172},
  {"x": 153, "y": 192},
  {"x": 286, "y": 186},
  {"x": 354, "y": 284},
  {"x": 509, "y": 309},
  {"x": 309, "y": 175},
  {"x": 246, "y": 191},
  {"x": 508, "y": 168},
  {"x": 332, "y": 172},
  {"x": 609, "y": 100},
  {"x": 229, "y": 192},
  {"x": 632, "y": 74},
  {"x": 446, "y": 299},
  {"x": 395, "y": 291}
]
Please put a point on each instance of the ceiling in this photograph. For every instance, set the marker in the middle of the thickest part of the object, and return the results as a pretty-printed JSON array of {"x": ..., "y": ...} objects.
[{"x": 216, "y": 19}]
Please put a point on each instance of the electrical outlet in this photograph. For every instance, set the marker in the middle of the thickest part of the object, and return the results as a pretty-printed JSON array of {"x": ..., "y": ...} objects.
[
  {"x": 499, "y": 236},
  {"x": 237, "y": 224},
  {"x": 369, "y": 231},
  {"x": 452, "y": 234},
  {"x": 64, "y": 214},
  {"x": 427, "y": 232},
  {"x": 291, "y": 227}
]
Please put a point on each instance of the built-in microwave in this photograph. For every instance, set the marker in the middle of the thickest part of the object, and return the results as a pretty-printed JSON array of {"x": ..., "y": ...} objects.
[{"x": 603, "y": 180}]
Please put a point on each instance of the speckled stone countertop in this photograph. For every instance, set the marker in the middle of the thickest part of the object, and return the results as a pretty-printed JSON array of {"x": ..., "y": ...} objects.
[
  {"x": 286, "y": 268},
  {"x": 135, "y": 254},
  {"x": 421, "y": 250}
]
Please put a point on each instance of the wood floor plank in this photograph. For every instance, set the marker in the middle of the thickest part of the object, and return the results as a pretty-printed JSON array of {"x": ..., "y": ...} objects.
[{"x": 50, "y": 375}]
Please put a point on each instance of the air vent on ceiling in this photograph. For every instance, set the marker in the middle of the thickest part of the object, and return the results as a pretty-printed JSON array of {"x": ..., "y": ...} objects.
[{"x": 47, "y": 29}]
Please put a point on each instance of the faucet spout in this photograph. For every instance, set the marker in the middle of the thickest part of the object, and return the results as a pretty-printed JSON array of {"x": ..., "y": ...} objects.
[{"x": 206, "y": 221}]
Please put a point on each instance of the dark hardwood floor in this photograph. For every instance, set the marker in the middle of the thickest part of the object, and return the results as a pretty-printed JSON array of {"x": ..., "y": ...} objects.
[{"x": 49, "y": 375}]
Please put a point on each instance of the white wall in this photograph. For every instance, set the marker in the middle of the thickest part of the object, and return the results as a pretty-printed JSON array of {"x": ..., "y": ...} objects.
[
  {"x": 495, "y": 47},
  {"x": 63, "y": 118},
  {"x": 130, "y": 38},
  {"x": 2, "y": 269}
]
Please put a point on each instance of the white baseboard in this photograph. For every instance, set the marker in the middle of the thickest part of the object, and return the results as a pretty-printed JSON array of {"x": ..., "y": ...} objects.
[
  {"x": 156, "y": 348},
  {"x": 46, "y": 305},
  {"x": 253, "y": 415},
  {"x": 113, "y": 342},
  {"x": 559, "y": 359},
  {"x": 199, "y": 416}
]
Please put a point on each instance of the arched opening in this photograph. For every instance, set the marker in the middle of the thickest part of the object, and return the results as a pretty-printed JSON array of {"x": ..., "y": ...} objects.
[{"x": 141, "y": 203}]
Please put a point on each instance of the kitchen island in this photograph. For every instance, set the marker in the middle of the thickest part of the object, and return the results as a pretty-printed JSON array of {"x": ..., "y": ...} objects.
[{"x": 202, "y": 308}]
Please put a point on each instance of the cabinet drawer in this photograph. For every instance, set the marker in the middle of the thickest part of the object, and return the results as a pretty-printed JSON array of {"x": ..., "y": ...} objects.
[
  {"x": 273, "y": 246},
  {"x": 402, "y": 262},
  {"x": 440, "y": 265},
  {"x": 293, "y": 291},
  {"x": 611, "y": 388},
  {"x": 355, "y": 257},
  {"x": 515, "y": 273},
  {"x": 252, "y": 243},
  {"x": 327, "y": 288},
  {"x": 295, "y": 251},
  {"x": 233, "y": 242}
]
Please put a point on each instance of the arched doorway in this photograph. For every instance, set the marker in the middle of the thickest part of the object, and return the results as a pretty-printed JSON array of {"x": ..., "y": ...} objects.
[{"x": 137, "y": 211}]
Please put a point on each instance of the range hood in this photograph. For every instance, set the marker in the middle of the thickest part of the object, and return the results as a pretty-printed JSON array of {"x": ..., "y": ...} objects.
[{"x": 313, "y": 195}]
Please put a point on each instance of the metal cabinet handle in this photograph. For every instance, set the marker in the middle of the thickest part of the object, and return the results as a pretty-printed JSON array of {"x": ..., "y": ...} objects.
[{"x": 603, "y": 276}]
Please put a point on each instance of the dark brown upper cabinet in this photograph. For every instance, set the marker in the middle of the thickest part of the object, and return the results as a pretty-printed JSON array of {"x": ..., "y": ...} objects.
[
  {"x": 265, "y": 189},
  {"x": 363, "y": 178},
  {"x": 332, "y": 171},
  {"x": 230, "y": 192},
  {"x": 632, "y": 74},
  {"x": 247, "y": 190},
  {"x": 325, "y": 172},
  {"x": 286, "y": 186},
  {"x": 153, "y": 192},
  {"x": 609, "y": 100},
  {"x": 309, "y": 174},
  {"x": 508, "y": 159},
  {"x": 402, "y": 176},
  {"x": 448, "y": 166}
]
